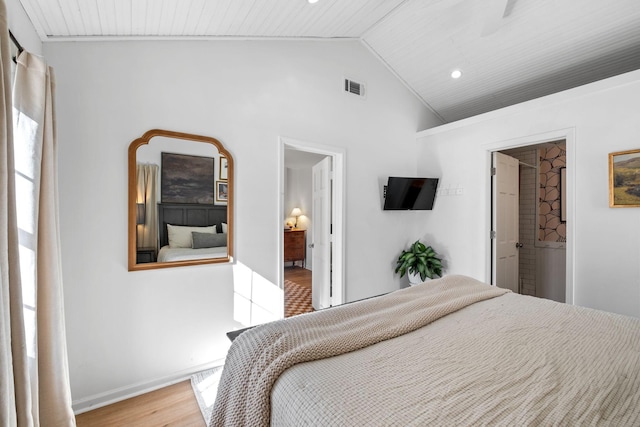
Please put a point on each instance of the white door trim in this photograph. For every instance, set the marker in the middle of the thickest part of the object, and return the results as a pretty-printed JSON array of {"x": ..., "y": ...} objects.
[
  {"x": 338, "y": 206},
  {"x": 568, "y": 134}
]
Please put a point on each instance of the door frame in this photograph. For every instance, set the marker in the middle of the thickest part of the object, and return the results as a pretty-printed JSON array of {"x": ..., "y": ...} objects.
[
  {"x": 338, "y": 205},
  {"x": 568, "y": 134}
]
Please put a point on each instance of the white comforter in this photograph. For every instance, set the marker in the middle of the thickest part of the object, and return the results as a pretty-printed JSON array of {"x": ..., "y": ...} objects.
[
  {"x": 507, "y": 361},
  {"x": 510, "y": 360},
  {"x": 167, "y": 254}
]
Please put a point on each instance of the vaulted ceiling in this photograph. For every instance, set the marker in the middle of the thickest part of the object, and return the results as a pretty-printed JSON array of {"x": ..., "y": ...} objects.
[{"x": 508, "y": 51}]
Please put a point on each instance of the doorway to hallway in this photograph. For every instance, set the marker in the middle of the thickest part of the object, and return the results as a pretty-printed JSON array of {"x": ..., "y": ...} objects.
[{"x": 312, "y": 205}]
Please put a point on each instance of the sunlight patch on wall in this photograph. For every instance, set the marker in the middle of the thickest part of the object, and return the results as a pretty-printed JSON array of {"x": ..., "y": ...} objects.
[{"x": 255, "y": 299}]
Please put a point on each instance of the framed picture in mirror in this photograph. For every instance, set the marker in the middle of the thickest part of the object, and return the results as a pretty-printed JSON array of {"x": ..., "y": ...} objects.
[
  {"x": 222, "y": 191},
  {"x": 224, "y": 173},
  {"x": 187, "y": 179}
]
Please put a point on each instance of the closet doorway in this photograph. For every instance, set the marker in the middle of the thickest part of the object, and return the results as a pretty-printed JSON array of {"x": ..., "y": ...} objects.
[
  {"x": 312, "y": 205},
  {"x": 539, "y": 232}
]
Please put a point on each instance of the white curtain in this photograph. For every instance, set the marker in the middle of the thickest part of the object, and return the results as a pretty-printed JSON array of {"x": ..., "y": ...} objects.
[
  {"x": 35, "y": 378},
  {"x": 147, "y": 179},
  {"x": 15, "y": 392}
]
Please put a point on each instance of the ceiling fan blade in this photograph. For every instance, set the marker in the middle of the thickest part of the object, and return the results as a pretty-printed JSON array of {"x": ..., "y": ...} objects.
[{"x": 494, "y": 12}]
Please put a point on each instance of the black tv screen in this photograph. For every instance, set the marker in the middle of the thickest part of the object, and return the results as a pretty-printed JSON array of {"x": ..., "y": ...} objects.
[{"x": 410, "y": 193}]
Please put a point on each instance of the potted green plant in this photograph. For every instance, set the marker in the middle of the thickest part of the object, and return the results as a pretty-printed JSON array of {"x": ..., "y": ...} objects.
[{"x": 419, "y": 260}]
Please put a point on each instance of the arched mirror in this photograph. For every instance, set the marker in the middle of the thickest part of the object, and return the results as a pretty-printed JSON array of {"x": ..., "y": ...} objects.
[{"x": 180, "y": 201}]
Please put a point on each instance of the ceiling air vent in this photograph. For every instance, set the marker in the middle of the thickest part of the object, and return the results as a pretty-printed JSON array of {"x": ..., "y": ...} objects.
[{"x": 354, "y": 87}]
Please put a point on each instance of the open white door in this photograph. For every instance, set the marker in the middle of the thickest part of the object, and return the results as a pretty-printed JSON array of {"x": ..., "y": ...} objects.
[
  {"x": 321, "y": 235},
  {"x": 506, "y": 194}
]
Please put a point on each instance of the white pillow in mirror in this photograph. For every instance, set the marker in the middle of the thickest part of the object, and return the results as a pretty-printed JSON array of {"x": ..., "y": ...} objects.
[
  {"x": 180, "y": 235},
  {"x": 224, "y": 227}
]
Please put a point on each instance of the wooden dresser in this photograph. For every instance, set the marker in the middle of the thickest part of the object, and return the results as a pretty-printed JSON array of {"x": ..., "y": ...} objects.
[{"x": 294, "y": 246}]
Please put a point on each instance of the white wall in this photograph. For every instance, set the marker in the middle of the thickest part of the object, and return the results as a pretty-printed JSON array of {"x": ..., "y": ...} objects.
[
  {"x": 127, "y": 330},
  {"x": 603, "y": 117},
  {"x": 21, "y": 27}
]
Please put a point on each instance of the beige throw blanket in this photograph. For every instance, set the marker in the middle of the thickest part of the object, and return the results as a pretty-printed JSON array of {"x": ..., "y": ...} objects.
[{"x": 258, "y": 357}]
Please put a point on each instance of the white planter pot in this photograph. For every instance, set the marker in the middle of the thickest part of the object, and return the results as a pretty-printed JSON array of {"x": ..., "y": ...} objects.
[{"x": 414, "y": 278}]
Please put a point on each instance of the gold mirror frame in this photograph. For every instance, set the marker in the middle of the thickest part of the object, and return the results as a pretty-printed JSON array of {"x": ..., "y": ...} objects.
[{"x": 133, "y": 147}]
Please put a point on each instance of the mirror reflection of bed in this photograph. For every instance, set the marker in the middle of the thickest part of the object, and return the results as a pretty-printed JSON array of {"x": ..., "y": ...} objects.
[
  {"x": 180, "y": 201},
  {"x": 189, "y": 232}
]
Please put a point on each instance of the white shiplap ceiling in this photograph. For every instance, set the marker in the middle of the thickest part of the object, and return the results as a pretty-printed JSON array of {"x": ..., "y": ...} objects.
[{"x": 509, "y": 51}]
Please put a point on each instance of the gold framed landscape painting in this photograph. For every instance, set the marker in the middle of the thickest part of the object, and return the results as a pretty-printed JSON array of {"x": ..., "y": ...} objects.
[{"x": 624, "y": 179}]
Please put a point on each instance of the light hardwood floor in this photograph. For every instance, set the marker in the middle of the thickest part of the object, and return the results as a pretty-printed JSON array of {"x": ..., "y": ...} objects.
[
  {"x": 172, "y": 406},
  {"x": 300, "y": 275}
]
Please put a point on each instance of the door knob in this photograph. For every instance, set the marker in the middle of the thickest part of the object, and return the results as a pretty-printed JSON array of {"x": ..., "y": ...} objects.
[
  {"x": 310, "y": 245},
  {"x": 519, "y": 245}
]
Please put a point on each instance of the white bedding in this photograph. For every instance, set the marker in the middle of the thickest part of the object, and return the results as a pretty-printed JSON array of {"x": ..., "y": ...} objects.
[
  {"x": 186, "y": 254},
  {"x": 507, "y": 361},
  {"x": 510, "y": 360}
]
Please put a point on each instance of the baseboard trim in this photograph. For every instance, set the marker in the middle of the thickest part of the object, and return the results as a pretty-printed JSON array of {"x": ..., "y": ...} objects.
[{"x": 106, "y": 398}]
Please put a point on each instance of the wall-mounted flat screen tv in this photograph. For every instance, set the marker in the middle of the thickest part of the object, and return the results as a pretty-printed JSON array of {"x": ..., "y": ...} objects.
[{"x": 410, "y": 193}]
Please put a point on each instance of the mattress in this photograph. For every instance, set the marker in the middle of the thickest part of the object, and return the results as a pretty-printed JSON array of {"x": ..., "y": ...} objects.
[
  {"x": 167, "y": 254},
  {"x": 503, "y": 360}
]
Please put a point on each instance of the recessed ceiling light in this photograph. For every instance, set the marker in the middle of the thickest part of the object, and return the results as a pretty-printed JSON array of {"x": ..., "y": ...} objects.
[
  {"x": 312, "y": 1},
  {"x": 456, "y": 74}
]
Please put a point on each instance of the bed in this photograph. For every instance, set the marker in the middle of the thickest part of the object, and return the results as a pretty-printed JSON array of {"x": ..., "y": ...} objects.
[
  {"x": 453, "y": 351},
  {"x": 198, "y": 218},
  {"x": 168, "y": 254}
]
